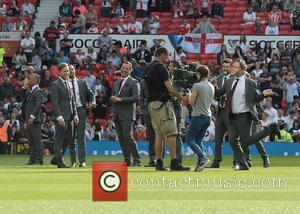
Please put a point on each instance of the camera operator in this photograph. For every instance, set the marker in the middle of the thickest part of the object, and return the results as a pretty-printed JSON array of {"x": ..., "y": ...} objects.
[
  {"x": 161, "y": 110},
  {"x": 200, "y": 98},
  {"x": 173, "y": 65}
]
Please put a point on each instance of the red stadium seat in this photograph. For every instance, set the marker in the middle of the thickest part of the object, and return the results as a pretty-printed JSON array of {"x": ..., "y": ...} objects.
[
  {"x": 156, "y": 14},
  {"x": 229, "y": 15},
  {"x": 176, "y": 21},
  {"x": 165, "y": 20},
  {"x": 231, "y": 4},
  {"x": 229, "y": 10},
  {"x": 167, "y": 14}
]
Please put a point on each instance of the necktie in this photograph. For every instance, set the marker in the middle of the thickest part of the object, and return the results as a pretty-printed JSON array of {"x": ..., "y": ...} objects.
[
  {"x": 229, "y": 98},
  {"x": 74, "y": 94},
  {"x": 120, "y": 86},
  {"x": 141, "y": 5},
  {"x": 67, "y": 89},
  {"x": 222, "y": 101}
]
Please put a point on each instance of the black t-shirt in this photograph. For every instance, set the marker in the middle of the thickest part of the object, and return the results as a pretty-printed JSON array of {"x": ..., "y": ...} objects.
[{"x": 155, "y": 75}]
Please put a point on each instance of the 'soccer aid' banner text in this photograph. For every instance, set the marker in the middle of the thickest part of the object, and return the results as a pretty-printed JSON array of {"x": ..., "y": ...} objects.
[
  {"x": 191, "y": 43},
  {"x": 232, "y": 41},
  {"x": 10, "y": 41}
]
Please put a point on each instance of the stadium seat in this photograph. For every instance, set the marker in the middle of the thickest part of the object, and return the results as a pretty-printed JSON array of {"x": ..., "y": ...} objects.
[
  {"x": 236, "y": 27},
  {"x": 285, "y": 32},
  {"x": 165, "y": 20},
  {"x": 156, "y": 14},
  {"x": 285, "y": 27},
  {"x": 176, "y": 21},
  {"x": 229, "y": 15},
  {"x": 229, "y": 10},
  {"x": 167, "y": 14},
  {"x": 230, "y": 4},
  {"x": 295, "y": 32}
]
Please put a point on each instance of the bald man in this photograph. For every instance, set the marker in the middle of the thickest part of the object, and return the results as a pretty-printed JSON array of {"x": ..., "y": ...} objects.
[{"x": 33, "y": 116}]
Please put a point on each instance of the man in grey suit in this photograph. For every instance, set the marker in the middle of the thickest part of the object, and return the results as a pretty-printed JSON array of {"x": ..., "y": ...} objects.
[
  {"x": 33, "y": 116},
  {"x": 83, "y": 97},
  {"x": 241, "y": 109},
  {"x": 125, "y": 94},
  {"x": 65, "y": 114}
]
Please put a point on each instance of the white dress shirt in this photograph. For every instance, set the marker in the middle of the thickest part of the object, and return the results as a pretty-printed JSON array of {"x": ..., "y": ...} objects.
[
  {"x": 239, "y": 97},
  {"x": 33, "y": 87},
  {"x": 77, "y": 94},
  {"x": 273, "y": 115},
  {"x": 124, "y": 80}
]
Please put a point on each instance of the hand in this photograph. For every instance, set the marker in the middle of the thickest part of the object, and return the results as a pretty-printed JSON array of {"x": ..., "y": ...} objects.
[
  {"x": 61, "y": 122},
  {"x": 115, "y": 99},
  {"x": 76, "y": 120},
  {"x": 213, "y": 81},
  {"x": 30, "y": 121},
  {"x": 268, "y": 92}
]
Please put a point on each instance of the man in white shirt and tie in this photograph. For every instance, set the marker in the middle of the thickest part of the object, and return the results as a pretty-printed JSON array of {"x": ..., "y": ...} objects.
[
  {"x": 125, "y": 94},
  {"x": 242, "y": 113}
]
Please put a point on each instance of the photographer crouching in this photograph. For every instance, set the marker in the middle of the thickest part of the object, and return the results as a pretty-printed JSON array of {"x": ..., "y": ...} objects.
[
  {"x": 200, "y": 98},
  {"x": 161, "y": 109}
]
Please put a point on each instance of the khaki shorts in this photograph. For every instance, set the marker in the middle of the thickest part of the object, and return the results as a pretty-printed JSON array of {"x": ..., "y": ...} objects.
[{"x": 163, "y": 118}]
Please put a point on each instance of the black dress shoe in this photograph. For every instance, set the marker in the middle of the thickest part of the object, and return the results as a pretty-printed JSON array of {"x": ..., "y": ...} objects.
[
  {"x": 151, "y": 163},
  {"x": 159, "y": 166},
  {"x": 63, "y": 165},
  {"x": 128, "y": 162},
  {"x": 176, "y": 166},
  {"x": 214, "y": 164},
  {"x": 53, "y": 161},
  {"x": 266, "y": 162},
  {"x": 137, "y": 163},
  {"x": 239, "y": 167}
]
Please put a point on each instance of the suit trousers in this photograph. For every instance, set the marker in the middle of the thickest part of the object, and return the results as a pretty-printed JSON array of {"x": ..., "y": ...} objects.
[
  {"x": 151, "y": 136},
  {"x": 127, "y": 143},
  {"x": 241, "y": 127},
  {"x": 35, "y": 142},
  {"x": 63, "y": 138}
]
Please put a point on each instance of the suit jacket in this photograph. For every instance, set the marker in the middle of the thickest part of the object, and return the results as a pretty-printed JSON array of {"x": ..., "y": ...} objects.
[
  {"x": 63, "y": 104},
  {"x": 32, "y": 105},
  {"x": 130, "y": 94},
  {"x": 252, "y": 95},
  {"x": 86, "y": 94}
]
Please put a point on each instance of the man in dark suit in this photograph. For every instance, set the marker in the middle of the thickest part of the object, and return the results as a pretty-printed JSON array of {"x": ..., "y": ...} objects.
[
  {"x": 33, "y": 116},
  {"x": 125, "y": 94},
  {"x": 65, "y": 114},
  {"x": 242, "y": 94},
  {"x": 83, "y": 97}
]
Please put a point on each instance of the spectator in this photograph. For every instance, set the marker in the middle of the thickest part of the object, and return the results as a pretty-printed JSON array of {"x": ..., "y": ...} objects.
[
  {"x": 295, "y": 130},
  {"x": 275, "y": 15},
  {"x": 296, "y": 25},
  {"x": 155, "y": 46},
  {"x": 107, "y": 28},
  {"x": 185, "y": 27},
  {"x": 178, "y": 10},
  {"x": 104, "y": 40},
  {"x": 294, "y": 15},
  {"x": 292, "y": 89},
  {"x": 51, "y": 34},
  {"x": 287, "y": 53},
  {"x": 110, "y": 69},
  {"x": 285, "y": 136},
  {"x": 204, "y": 26},
  {"x": 142, "y": 54},
  {"x": 5, "y": 136},
  {"x": 28, "y": 44},
  {"x": 272, "y": 29},
  {"x": 19, "y": 25},
  {"x": 19, "y": 59},
  {"x": 289, "y": 5},
  {"x": 217, "y": 10},
  {"x": 268, "y": 50},
  {"x": 297, "y": 67},
  {"x": 38, "y": 41},
  {"x": 101, "y": 104},
  {"x": 65, "y": 9},
  {"x": 80, "y": 7},
  {"x": 274, "y": 65},
  {"x": 3, "y": 8},
  {"x": 91, "y": 53},
  {"x": 61, "y": 58},
  {"x": 238, "y": 53},
  {"x": 90, "y": 80},
  {"x": 146, "y": 27},
  {"x": 179, "y": 56},
  {"x": 265, "y": 78},
  {"x": 249, "y": 16},
  {"x": 110, "y": 132},
  {"x": 13, "y": 8},
  {"x": 118, "y": 12},
  {"x": 103, "y": 55},
  {"x": 46, "y": 54},
  {"x": 13, "y": 121},
  {"x": 28, "y": 9},
  {"x": 106, "y": 8},
  {"x": 243, "y": 44},
  {"x": 140, "y": 133},
  {"x": 135, "y": 27},
  {"x": 257, "y": 71},
  {"x": 114, "y": 59},
  {"x": 121, "y": 26},
  {"x": 36, "y": 61},
  {"x": 264, "y": 122},
  {"x": 141, "y": 8},
  {"x": 278, "y": 94},
  {"x": 7, "y": 26},
  {"x": 271, "y": 111},
  {"x": 46, "y": 79},
  {"x": 93, "y": 29},
  {"x": 7, "y": 89},
  {"x": 223, "y": 54},
  {"x": 91, "y": 16},
  {"x": 66, "y": 44},
  {"x": 154, "y": 25},
  {"x": 80, "y": 23}
]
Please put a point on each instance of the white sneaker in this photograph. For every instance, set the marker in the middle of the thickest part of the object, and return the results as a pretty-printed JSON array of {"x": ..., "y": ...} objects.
[{"x": 82, "y": 164}]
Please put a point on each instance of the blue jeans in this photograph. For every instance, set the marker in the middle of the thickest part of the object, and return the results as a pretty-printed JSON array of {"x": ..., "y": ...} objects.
[{"x": 195, "y": 135}]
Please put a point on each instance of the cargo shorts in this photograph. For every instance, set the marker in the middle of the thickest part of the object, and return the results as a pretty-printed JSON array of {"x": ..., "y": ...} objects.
[{"x": 163, "y": 118}]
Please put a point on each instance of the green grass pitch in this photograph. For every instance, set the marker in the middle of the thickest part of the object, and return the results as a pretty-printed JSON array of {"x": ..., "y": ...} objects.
[{"x": 46, "y": 189}]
